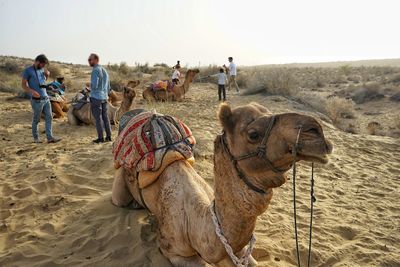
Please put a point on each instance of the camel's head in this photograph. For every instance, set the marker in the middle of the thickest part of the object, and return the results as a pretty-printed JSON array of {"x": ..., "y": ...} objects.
[
  {"x": 245, "y": 128},
  {"x": 133, "y": 83},
  {"x": 129, "y": 93},
  {"x": 191, "y": 73}
]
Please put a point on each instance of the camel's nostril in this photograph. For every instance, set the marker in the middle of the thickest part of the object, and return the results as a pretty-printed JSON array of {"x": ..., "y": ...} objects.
[{"x": 328, "y": 147}]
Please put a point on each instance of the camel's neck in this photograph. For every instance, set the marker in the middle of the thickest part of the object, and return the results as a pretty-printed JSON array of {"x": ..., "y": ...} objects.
[
  {"x": 237, "y": 206},
  {"x": 185, "y": 86},
  {"x": 126, "y": 104}
]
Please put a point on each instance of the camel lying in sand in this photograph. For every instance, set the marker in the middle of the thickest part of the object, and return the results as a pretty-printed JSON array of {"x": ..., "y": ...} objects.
[
  {"x": 180, "y": 199},
  {"x": 84, "y": 114},
  {"x": 177, "y": 92},
  {"x": 115, "y": 98}
]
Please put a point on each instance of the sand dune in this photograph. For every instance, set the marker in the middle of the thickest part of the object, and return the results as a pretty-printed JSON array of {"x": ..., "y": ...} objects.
[{"x": 55, "y": 205}]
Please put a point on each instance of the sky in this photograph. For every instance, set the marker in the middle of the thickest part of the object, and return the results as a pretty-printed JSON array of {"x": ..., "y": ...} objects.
[{"x": 201, "y": 32}]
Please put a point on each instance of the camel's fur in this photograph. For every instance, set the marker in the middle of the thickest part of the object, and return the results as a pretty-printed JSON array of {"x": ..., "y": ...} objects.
[
  {"x": 177, "y": 92},
  {"x": 59, "y": 108},
  {"x": 84, "y": 114},
  {"x": 180, "y": 198},
  {"x": 115, "y": 98}
]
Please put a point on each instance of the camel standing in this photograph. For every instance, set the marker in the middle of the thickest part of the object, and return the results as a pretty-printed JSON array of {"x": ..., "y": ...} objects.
[
  {"x": 182, "y": 201},
  {"x": 176, "y": 93},
  {"x": 84, "y": 114}
]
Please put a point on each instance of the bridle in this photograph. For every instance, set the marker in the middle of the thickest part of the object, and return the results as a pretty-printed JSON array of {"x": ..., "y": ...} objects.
[{"x": 260, "y": 152}]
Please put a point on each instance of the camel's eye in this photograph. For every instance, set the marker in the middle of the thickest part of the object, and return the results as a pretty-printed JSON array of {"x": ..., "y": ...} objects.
[
  {"x": 312, "y": 131},
  {"x": 253, "y": 135}
]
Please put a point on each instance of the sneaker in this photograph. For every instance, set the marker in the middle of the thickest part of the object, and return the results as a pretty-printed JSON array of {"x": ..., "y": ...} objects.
[
  {"x": 54, "y": 140},
  {"x": 37, "y": 141},
  {"x": 108, "y": 139},
  {"x": 98, "y": 141}
]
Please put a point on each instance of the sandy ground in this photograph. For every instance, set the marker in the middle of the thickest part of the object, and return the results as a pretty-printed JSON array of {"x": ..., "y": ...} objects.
[{"x": 55, "y": 205}]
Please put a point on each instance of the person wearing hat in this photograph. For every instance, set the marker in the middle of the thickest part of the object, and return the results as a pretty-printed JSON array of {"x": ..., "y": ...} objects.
[{"x": 33, "y": 82}]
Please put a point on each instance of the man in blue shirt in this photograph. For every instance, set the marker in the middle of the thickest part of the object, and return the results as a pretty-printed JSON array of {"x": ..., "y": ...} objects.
[
  {"x": 33, "y": 82},
  {"x": 99, "y": 90}
]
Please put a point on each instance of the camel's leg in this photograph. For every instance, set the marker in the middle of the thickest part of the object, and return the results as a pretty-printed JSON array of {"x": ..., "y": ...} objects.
[
  {"x": 65, "y": 107},
  {"x": 194, "y": 261},
  {"x": 56, "y": 108},
  {"x": 71, "y": 117},
  {"x": 120, "y": 193}
]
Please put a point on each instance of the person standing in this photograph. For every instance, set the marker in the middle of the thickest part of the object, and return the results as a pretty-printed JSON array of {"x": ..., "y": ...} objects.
[
  {"x": 221, "y": 84},
  {"x": 33, "y": 83},
  {"x": 99, "y": 91},
  {"x": 232, "y": 75}
]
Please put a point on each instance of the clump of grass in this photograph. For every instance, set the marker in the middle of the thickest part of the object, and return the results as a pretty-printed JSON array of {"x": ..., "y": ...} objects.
[
  {"x": 374, "y": 128},
  {"x": 279, "y": 81},
  {"x": 12, "y": 67},
  {"x": 338, "y": 108},
  {"x": 345, "y": 69},
  {"x": 55, "y": 70},
  {"x": 369, "y": 91}
]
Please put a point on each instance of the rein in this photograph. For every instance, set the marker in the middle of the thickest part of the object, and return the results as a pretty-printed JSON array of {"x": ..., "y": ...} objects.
[{"x": 312, "y": 200}]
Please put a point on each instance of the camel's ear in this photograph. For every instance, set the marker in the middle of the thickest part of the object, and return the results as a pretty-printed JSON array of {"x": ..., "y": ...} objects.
[
  {"x": 225, "y": 117},
  {"x": 260, "y": 107}
]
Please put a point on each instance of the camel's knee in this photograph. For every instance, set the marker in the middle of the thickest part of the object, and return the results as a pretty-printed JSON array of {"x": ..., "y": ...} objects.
[{"x": 120, "y": 194}]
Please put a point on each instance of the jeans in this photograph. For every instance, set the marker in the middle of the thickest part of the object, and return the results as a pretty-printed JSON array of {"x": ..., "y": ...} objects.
[
  {"x": 232, "y": 79},
  {"x": 221, "y": 91},
  {"x": 100, "y": 114},
  {"x": 39, "y": 106}
]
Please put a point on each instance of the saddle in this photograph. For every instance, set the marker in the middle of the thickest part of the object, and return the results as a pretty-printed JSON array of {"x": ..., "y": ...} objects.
[
  {"x": 162, "y": 85},
  {"x": 148, "y": 142}
]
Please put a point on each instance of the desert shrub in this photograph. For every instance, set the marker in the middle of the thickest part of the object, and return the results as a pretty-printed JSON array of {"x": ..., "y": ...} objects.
[
  {"x": 395, "y": 97},
  {"x": 12, "y": 67},
  {"x": 395, "y": 78},
  {"x": 124, "y": 68},
  {"x": 345, "y": 69},
  {"x": 55, "y": 70},
  {"x": 162, "y": 65},
  {"x": 10, "y": 83},
  {"x": 276, "y": 81},
  {"x": 374, "y": 128},
  {"x": 143, "y": 68},
  {"x": 337, "y": 108},
  {"x": 369, "y": 91}
]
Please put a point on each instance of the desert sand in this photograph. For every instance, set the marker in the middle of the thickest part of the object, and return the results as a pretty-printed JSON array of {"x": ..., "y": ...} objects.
[{"x": 55, "y": 207}]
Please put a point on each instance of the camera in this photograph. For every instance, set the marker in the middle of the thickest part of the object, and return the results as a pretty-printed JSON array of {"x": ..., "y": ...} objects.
[{"x": 45, "y": 86}]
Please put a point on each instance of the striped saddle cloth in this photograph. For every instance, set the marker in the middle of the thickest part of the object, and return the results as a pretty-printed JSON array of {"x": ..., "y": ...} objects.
[
  {"x": 145, "y": 137},
  {"x": 162, "y": 85}
]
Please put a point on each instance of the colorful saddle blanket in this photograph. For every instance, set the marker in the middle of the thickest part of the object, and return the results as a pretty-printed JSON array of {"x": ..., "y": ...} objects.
[
  {"x": 162, "y": 85},
  {"x": 144, "y": 140}
]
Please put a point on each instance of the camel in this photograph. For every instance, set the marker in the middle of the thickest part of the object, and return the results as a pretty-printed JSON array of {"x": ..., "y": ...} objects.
[
  {"x": 115, "y": 98},
  {"x": 177, "y": 93},
  {"x": 84, "y": 114},
  {"x": 180, "y": 199},
  {"x": 59, "y": 108}
]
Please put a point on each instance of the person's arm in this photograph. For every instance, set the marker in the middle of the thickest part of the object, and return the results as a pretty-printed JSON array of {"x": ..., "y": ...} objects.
[
  {"x": 46, "y": 74},
  {"x": 94, "y": 80},
  {"x": 25, "y": 85}
]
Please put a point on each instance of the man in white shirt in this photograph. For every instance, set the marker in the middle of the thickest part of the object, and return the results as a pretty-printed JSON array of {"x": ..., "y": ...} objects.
[{"x": 232, "y": 74}]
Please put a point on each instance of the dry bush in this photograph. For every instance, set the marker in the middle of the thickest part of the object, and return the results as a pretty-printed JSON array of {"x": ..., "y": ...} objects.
[
  {"x": 395, "y": 78},
  {"x": 374, "y": 128},
  {"x": 337, "y": 108},
  {"x": 276, "y": 81},
  {"x": 55, "y": 70},
  {"x": 12, "y": 67},
  {"x": 369, "y": 91},
  {"x": 10, "y": 83},
  {"x": 345, "y": 69},
  {"x": 162, "y": 65}
]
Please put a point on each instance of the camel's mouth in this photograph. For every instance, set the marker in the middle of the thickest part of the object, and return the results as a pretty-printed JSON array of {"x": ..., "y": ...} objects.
[{"x": 323, "y": 158}]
